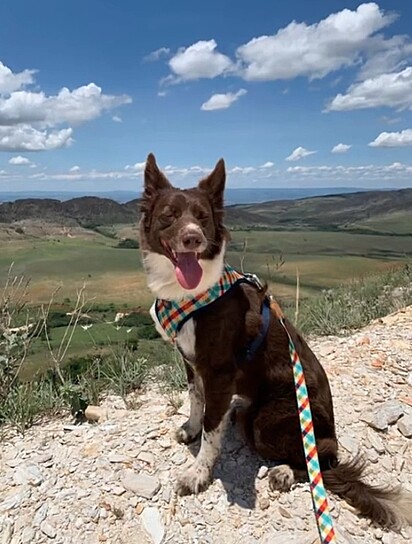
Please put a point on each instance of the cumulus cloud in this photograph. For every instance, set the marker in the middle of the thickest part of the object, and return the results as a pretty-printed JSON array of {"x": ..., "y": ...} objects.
[
  {"x": 30, "y": 120},
  {"x": 222, "y": 101},
  {"x": 158, "y": 54},
  {"x": 313, "y": 50},
  {"x": 26, "y": 138},
  {"x": 74, "y": 168},
  {"x": 267, "y": 164},
  {"x": 10, "y": 82},
  {"x": 299, "y": 153},
  {"x": 117, "y": 119},
  {"x": 137, "y": 167},
  {"x": 393, "y": 139},
  {"x": 393, "y": 90},
  {"x": 19, "y": 161},
  {"x": 242, "y": 170},
  {"x": 341, "y": 148},
  {"x": 347, "y": 38},
  {"x": 82, "y": 104},
  {"x": 200, "y": 60},
  {"x": 386, "y": 55}
]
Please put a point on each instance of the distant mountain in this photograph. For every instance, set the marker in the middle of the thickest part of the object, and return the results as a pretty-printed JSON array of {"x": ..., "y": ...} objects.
[
  {"x": 371, "y": 211},
  {"x": 233, "y": 196}
]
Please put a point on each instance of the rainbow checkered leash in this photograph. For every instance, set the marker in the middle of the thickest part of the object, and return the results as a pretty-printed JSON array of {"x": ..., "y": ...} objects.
[{"x": 319, "y": 497}]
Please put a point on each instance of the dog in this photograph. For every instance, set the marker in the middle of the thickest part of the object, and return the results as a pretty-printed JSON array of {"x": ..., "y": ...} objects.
[{"x": 183, "y": 242}]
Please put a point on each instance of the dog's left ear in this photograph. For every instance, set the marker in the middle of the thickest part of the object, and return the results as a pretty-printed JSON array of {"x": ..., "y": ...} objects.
[
  {"x": 154, "y": 179},
  {"x": 214, "y": 184}
]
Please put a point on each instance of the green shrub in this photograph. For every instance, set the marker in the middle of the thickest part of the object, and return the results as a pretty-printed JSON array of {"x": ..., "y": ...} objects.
[
  {"x": 128, "y": 243},
  {"x": 354, "y": 305}
]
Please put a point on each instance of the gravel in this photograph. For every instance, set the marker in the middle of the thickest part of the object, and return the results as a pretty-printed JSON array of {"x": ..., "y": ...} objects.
[{"x": 114, "y": 481}]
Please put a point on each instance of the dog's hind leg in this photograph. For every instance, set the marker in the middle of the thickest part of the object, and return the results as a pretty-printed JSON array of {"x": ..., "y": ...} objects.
[
  {"x": 277, "y": 436},
  {"x": 191, "y": 429},
  {"x": 218, "y": 394}
]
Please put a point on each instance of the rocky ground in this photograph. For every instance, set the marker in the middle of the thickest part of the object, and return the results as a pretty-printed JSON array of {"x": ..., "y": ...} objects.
[{"x": 113, "y": 481}]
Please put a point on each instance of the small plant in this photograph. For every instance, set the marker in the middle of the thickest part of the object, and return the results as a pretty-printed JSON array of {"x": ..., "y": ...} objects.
[
  {"x": 173, "y": 374},
  {"x": 123, "y": 372},
  {"x": 355, "y": 305}
]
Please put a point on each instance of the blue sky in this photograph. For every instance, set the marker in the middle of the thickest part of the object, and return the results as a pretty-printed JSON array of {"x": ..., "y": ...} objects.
[{"x": 88, "y": 88}]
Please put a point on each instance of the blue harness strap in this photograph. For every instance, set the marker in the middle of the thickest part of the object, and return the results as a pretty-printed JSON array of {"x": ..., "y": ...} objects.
[{"x": 253, "y": 346}]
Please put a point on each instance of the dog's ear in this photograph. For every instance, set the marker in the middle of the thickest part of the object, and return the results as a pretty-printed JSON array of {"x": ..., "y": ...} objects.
[
  {"x": 214, "y": 184},
  {"x": 154, "y": 179}
]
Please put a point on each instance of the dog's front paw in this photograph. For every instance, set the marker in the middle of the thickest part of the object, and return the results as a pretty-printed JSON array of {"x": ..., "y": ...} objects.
[
  {"x": 195, "y": 479},
  {"x": 187, "y": 433}
]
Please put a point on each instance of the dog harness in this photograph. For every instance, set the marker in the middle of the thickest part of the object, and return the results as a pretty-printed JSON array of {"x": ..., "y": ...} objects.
[{"x": 171, "y": 315}]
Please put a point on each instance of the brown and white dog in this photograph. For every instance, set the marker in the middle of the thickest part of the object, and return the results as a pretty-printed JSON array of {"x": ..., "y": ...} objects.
[{"x": 183, "y": 242}]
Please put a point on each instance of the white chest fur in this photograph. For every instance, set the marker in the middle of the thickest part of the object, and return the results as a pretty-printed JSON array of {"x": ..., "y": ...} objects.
[{"x": 186, "y": 338}]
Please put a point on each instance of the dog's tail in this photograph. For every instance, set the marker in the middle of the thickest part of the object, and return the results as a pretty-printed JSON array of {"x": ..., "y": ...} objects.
[{"x": 390, "y": 508}]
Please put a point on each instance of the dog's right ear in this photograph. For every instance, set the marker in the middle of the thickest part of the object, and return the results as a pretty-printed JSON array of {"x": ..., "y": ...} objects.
[{"x": 154, "y": 179}]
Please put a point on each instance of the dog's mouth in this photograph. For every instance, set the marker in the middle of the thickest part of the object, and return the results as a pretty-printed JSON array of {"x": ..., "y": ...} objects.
[{"x": 187, "y": 268}]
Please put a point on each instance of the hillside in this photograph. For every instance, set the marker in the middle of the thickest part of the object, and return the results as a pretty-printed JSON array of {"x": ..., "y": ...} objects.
[{"x": 372, "y": 211}]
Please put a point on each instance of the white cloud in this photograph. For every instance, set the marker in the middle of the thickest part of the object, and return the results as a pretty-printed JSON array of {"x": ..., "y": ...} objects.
[
  {"x": 313, "y": 50},
  {"x": 10, "y": 82},
  {"x": 19, "y": 161},
  {"x": 386, "y": 55},
  {"x": 200, "y": 60},
  {"x": 137, "y": 167},
  {"x": 117, "y": 119},
  {"x": 393, "y": 139},
  {"x": 242, "y": 170},
  {"x": 222, "y": 101},
  {"x": 267, "y": 164},
  {"x": 74, "y": 168},
  {"x": 74, "y": 107},
  {"x": 162, "y": 93},
  {"x": 27, "y": 138},
  {"x": 341, "y": 148},
  {"x": 392, "y": 90},
  {"x": 299, "y": 153},
  {"x": 27, "y": 117},
  {"x": 158, "y": 54}
]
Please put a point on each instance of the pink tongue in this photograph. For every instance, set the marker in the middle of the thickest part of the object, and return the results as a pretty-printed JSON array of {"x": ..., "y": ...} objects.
[{"x": 188, "y": 270}]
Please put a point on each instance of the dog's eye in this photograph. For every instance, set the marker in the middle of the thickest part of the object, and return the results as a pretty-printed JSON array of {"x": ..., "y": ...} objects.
[
  {"x": 166, "y": 218},
  {"x": 202, "y": 216}
]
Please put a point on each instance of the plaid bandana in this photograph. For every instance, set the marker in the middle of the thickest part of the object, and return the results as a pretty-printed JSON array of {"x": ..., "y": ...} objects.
[{"x": 173, "y": 314}]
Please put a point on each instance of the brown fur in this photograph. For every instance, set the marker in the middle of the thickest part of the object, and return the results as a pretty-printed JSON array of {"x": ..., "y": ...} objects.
[{"x": 270, "y": 423}]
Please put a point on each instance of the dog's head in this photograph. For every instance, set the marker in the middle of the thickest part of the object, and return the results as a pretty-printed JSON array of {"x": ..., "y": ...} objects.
[{"x": 183, "y": 226}]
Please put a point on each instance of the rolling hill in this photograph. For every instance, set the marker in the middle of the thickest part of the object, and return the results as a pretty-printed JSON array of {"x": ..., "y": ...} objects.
[{"x": 388, "y": 212}]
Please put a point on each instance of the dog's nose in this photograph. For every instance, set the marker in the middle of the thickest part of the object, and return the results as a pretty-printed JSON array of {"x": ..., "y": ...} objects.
[{"x": 191, "y": 241}]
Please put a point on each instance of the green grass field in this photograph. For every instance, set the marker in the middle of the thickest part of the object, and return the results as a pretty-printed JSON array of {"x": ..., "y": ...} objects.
[{"x": 322, "y": 260}]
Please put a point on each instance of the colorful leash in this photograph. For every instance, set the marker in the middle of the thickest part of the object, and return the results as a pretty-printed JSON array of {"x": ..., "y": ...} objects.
[{"x": 319, "y": 496}]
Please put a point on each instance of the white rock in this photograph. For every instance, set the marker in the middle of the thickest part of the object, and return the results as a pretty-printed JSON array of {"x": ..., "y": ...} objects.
[
  {"x": 118, "y": 458},
  {"x": 14, "y": 499},
  {"x": 118, "y": 490},
  {"x": 27, "y": 536},
  {"x": 262, "y": 472},
  {"x": 152, "y": 523},
  {"x": 40, "y": 514},
  {"x": 28, "y": 474},
  {"x": 405, "y": 426},
  {"x": 141, "y": 484},
  {"x": 384, "y": 415},
  {"x": 7, "y": 529},
  {"x": 350, "y": 444},
  {"x": 146, "y": 457},
  {"x": 48, "y": 529}
]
